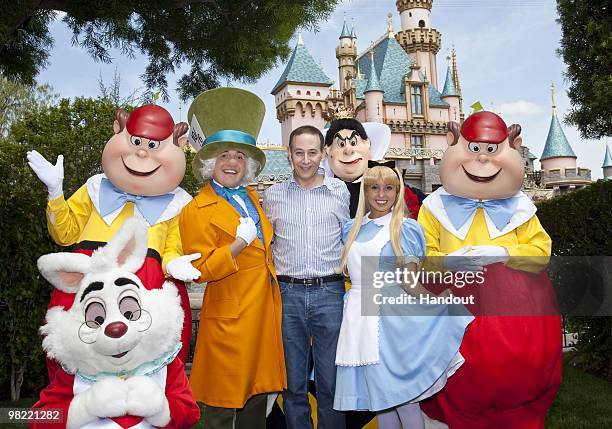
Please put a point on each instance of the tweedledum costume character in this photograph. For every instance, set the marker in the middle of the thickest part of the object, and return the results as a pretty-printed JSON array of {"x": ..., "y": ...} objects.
[
  {"x": 118, "y": 344},
  {"x": 480, "y": 220},
  {"x": 143, "y": 165},
  {"x": 239, "y": 351}
]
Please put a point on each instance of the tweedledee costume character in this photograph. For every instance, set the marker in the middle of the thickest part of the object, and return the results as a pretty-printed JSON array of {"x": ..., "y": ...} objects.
[
  {"x": 239, "y": 350},
  {"x": 117, "y": 344},
  {"x": 480, "y": 220},
  {"x": 143, "y": 165},
  {"x": 349, "y": 145}
]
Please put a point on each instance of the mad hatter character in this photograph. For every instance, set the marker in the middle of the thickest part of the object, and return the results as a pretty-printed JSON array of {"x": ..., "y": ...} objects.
[
  {"x": 349, "y": 145},
  {"x": 143, "y": 164},
  {"x": 481, "y": 221},
  {"x": 239, "y": 350}
]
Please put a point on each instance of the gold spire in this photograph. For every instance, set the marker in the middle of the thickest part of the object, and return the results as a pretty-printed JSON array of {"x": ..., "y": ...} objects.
[
  {"x": 457, "y": 84},
  {"x": 554, "y": 105},
  {"x": 390, "y": 33},
  {"x": 300, "y": 41}
]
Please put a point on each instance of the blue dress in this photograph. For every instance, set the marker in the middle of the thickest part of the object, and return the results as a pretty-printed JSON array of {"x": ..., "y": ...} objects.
[{"x": 416, "y": 352}]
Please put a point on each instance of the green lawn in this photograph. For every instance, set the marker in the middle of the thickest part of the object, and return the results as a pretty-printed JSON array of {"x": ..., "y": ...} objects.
[{"x": 584, "y": 402}]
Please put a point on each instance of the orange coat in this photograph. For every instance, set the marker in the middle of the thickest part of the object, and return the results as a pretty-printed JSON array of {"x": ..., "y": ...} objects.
[{"x": 239, "y": 349}]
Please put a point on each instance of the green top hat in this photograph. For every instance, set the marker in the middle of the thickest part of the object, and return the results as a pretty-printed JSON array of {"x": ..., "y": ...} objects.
[{"x": 228, "y": 118}]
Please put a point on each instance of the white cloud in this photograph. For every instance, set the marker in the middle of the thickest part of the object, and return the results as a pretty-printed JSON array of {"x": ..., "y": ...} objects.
[{"x": 520, "y": 108}]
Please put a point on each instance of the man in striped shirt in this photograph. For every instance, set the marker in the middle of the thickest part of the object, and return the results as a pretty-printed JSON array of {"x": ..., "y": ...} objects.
[{"x": 307, "y": 213}]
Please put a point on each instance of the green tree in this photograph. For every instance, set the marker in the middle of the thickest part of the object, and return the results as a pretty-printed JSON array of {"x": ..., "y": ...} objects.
[
  {"x": 78, "y": 129},
  {"x": 17, "y": 99},
  {"x": 217, "y": 39},
  {"x": 586, "y": 48}
]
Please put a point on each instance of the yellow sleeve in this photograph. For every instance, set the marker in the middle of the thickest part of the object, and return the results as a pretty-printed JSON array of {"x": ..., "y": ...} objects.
[
  {"x": 532, "y": 253},
  {"x": 172, "y": 247},
  {"x": 67, "y": 219},
  {"x": 198, "y": 235},
  {"x": 431, "y": 228}
]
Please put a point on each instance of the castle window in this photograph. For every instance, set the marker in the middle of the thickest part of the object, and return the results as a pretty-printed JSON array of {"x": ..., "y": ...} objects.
[
  {"x": 417, "y": 141},
  {"x": 421, "y": 24},
  {"x": 299, "y": 92},
  {"x": 416, "y": 95},
  {"x": 307, "y": 92},
  {"x": 318, "y": 94},
  {"x": 410, "y": 14}
]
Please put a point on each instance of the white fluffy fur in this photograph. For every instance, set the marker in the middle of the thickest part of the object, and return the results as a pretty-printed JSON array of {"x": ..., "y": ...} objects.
[
  {"x": 54, "y": 265},
  {"x": 89, "y": 351},
  {"x": 63, "y": 344},
  {"x": 133, "y": 231}
]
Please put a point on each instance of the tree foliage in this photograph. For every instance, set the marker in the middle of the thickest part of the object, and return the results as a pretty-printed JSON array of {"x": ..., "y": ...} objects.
[
  {"x": 16, "y": 100},
  {"x": 78, "y": 129},
  {"x": 215, "y": 39},
  {"x": 586, "y": 48}
]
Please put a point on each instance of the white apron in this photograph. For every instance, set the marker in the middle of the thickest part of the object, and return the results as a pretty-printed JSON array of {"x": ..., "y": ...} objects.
[{"x": 358, "y": 339}]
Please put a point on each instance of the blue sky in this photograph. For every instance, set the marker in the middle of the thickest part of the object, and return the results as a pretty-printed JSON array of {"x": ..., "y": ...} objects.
[{"x": 506, "y": 54}]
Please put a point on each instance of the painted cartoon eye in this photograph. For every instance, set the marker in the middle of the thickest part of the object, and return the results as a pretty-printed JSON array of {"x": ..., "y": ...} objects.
[
  {"x": 95, "y": 315},
  {"x": 474, "y": 147},
  {"x": 130, "y": 308},
  {"x": 136, "y": 141},
  {"x": 153, "y": 144},
  {"x": 492, "y": 148},
  {"x": 353, "y": 141},
  {"x": 340, "y": 142}
]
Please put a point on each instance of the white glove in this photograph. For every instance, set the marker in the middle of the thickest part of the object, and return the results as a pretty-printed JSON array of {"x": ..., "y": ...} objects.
[
  {"x": 106, "y": 398},
  {"x": 488, "y": 255},
  {"x": 462, "y": 260},
  {"x": 51, "y": 175},
  {"x": 181, "y": 269},
  {"x": 246, "y": 230},
  {"x": 146, "y": 399}
]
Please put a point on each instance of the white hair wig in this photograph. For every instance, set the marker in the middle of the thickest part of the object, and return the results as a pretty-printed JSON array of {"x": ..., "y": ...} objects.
[{"x": 208, "y": 167}]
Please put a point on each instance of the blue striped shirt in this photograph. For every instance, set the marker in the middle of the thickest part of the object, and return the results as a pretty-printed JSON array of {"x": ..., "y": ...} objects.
[{"x": 307, "y": 226}]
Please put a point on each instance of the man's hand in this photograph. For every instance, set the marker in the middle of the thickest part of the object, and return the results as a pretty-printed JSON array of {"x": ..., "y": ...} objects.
[
  {"x": 181, "y": 269},
  {"x": 246, "y": 230},
  {"x": 51, "y": 175},
  {"x": 462, "y": 260}
]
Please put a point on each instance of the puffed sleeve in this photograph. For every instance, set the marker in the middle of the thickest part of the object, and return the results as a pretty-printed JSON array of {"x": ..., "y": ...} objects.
[
  {"x": 346, "y": 228},
  {"x": 412, "y": 241}
]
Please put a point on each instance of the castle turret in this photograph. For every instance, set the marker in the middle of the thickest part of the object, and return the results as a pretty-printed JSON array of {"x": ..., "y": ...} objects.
[
  {"x": 374, "y": 95},
  {"x": 301, "y": 92},
  {"x": 416, "y": 91},
  {"x": 450, "y": 94},
  {"x": 346, "y": 53},
  {"x": 417, "y": 37},
  {"x": 558, "y": 160},
  {"x": 607, "y": 165}
]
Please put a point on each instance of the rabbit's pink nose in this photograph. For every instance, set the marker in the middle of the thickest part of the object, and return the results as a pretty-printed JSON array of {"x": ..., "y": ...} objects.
[{"x": 115, "y": 329}]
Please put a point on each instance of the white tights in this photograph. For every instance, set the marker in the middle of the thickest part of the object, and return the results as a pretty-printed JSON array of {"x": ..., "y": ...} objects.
[{"x": 407, "y": 416}]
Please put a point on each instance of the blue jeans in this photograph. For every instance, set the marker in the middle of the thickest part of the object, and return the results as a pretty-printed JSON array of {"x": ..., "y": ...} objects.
[{"x": 315, "y": 312}]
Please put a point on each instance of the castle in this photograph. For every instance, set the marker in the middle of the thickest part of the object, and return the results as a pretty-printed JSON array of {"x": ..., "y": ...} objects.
[{"x": 395, "y": 81}]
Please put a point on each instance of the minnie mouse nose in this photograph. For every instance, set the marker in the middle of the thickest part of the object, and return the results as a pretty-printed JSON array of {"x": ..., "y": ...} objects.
[{"x": 115, "y": 329}]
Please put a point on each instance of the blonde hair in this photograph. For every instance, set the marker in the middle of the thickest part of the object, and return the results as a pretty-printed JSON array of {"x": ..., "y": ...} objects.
[{"x": 372, "y": 176}]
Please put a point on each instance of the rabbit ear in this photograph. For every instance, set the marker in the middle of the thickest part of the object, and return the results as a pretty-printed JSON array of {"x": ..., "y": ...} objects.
[
  {"x": 127, "y": 249},
  {"x": 64, "y": 270}
]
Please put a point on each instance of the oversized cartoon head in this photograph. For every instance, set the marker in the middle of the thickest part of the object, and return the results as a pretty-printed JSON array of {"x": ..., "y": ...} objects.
[
  {"x": 482, "y": 160},
  {"x": 115, "y": 324},
  {"x": 145, "y": 156}
]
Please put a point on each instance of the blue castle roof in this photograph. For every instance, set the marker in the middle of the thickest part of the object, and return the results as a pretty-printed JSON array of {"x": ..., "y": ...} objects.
[
  {"x": 373, "y": 83},
  {"x": 302, "y": 68},
  {"x": 277, "y": 166},
  {"x": 556, "y": 143},
  {"x": 449, "y": 86},
  {"x": 608, "y": 158}
]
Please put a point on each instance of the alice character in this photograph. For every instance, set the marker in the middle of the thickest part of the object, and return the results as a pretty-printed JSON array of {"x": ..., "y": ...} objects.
[{"x": 391, "y": 358}]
